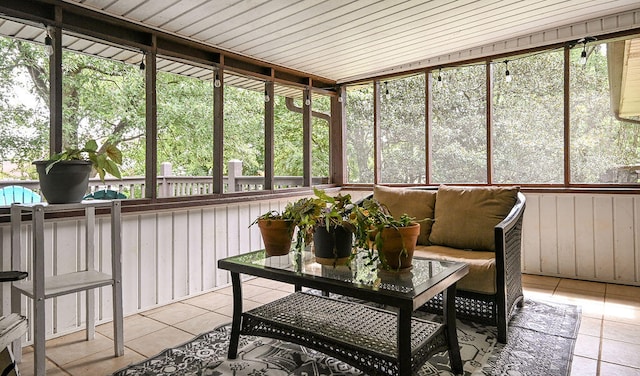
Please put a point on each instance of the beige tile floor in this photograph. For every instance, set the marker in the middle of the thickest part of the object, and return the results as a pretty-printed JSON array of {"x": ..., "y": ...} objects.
[{"x": 608, "y": 342}]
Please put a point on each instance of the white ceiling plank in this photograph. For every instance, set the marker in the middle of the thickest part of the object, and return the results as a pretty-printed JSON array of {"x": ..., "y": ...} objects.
[
  {"x": 249, "y": 22},
  {"x": 9, "y": 28},
  {"x": 348, "y": 25},
  {"x": 172, "y": 11},
  {"x": 208, "y": 15},
  {"x": 442, "y": 42},
  {"x": 295, "y": 25},
  {"x": 369, "y": 35},
  {"x": 358, "y": 38},
  {"x": 118, "y": 7}
]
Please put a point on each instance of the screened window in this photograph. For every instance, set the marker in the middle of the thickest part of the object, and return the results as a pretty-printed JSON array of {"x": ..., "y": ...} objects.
[
  {"x": 528, "y": 122},
  {"x": 320, "y": 151},
  {"x": 288, "y": 164},
  {"x": 359, "y": 134},
  {"x": 402, "y": 129},
  {"x": 243, "y": 133},
  {"x": 185, "y": 129},
  {"x": 458, "y": 131},
  {"x": 24, "y": 111},
  {"x": 603, "y": 148},
  {"x": 104, "y": 99}
]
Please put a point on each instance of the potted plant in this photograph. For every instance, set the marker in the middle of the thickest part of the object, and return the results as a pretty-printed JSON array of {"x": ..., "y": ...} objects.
[
  {"x": 277, "y": 231},
  {"x": 393, "y": 239},
  {"x": 333, "y": 234},
  {"x": 65, "y": 177},
  {"x": 304, "y": 213},
  {"x": 320, "y": 218}
]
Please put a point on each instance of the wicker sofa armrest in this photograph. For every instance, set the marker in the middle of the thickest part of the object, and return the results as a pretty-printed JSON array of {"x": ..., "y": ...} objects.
[{"x": 508, "y": 237}]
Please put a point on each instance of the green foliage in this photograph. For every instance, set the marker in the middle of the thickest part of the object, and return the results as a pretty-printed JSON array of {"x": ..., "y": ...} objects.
[
  {"x": 527, "y": 126},
  {"x": 104, "y": 100},
  {"x": 368, "y": 220},
  {"x": 459, "y": 135},
  {"x": 104, "y": 160},
  {"x": 359, "y": 136},
  {"x": 402, "y": 126}
]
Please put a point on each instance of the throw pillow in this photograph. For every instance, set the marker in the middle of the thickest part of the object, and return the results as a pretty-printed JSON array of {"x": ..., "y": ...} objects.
[
  {"x": 465, "y": 216},
  {"x": 415, "y": 203}
]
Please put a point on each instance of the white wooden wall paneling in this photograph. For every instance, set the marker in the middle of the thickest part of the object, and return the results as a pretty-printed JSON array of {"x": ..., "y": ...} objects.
[
  {"x": 584, "y": 236},
  {"x": 623, "y": 246},
  {"x": 603, "y": 242},
  {"x": 548, "y": 234},
  {"x": 636, "y": 232},
  {"x": 164, "y": 264},
  {"x": 65, "y": 247},
  {"x": 171, "y": 255},
  {"x": 566, "y": 235},
  {"x": 531, "y": 235},
  {"x": 148, "y": 278},
  {"x": 209, "y": 266},
  {"x": 220, "y": 242},
  {"x": 179, "y": 254},
  {"x": 194, "y": 251},
  {"x": 103, "y": 256}
]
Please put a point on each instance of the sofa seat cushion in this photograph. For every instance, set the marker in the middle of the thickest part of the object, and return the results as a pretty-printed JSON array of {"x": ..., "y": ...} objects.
[
  {"x": 413, "y": 202},
  {"x": 482, "y": 266},
  {"x": 465, "y": 217}
]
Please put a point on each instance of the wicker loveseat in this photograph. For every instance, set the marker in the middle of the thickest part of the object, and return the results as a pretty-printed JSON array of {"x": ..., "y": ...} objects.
[{"x": 481, "y": 226}]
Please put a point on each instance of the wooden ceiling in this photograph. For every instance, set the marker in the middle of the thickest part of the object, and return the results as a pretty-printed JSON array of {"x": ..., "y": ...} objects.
[{"x": 343, "y": 40}]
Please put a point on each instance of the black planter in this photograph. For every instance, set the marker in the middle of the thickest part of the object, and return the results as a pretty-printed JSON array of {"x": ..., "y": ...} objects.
[
  {"x": 66, "y": 182},
  {"x": 332, "y": 247}
]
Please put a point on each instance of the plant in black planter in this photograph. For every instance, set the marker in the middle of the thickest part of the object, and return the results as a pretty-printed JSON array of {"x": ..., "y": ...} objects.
[
  {"x": 65, "y": 177},
  {"x": 333, "y": 235}
]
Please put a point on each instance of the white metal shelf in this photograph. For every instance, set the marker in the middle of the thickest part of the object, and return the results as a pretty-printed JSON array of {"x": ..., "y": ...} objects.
[
  {"x": 40, "y": 287},
  {"x": 66, "y": 283}
]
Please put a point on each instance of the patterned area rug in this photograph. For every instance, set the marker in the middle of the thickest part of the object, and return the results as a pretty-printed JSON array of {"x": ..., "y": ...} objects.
[{"x": 541, "y": 341}]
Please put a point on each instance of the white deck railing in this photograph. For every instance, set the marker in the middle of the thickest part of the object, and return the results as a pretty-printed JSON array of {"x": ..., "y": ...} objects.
[{"x": 169, "y": 185}]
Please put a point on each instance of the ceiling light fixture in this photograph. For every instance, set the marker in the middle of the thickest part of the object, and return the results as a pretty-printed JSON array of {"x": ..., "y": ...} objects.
[
  {"x": 307, "y": 101},
  {"x": 439, "y": 76},
  {"x": 583, "y": 54},
  {"x": 386, "y": 91},
  {"x": 142, "y": 66},
  {"x": 216, "y": 81},
  {"x": 48, "y": 43},
  {"x": 266, "y": 96},
  {"x": 507, "y": 74}
]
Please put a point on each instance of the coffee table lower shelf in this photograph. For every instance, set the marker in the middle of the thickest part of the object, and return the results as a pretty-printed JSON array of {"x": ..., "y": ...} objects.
[{"x": 363, "y": 336}]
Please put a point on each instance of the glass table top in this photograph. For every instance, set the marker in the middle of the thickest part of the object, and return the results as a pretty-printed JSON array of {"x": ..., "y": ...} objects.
[{"x": 361, "y": 271}]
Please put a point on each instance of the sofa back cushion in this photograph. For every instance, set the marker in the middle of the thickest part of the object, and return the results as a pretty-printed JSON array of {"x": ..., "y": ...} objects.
[
  {"x": 465, "y": 217},
  {"x": 414, "y": 202}
]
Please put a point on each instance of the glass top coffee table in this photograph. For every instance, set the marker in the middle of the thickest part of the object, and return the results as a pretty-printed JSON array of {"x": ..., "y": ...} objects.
[{"x": 377, "y": 341}]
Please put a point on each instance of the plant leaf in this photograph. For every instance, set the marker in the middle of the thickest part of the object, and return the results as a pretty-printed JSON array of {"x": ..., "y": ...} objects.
[
  {"x": 91, "y": 146},
  {"x": 114, "y": 153},
  {"x": 112, "y": 168}
]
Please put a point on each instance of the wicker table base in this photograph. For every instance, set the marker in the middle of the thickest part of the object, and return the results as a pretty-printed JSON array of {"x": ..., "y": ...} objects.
[{"x": 363, "y": 336}]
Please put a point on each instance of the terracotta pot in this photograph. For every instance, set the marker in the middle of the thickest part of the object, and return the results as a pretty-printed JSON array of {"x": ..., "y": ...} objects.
[
  {"x": 332, "y": 247},
  {"x": 66, "y": 182},
  {"x": 393, "y": 243},
  {"x": 276, "y": 235}
]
